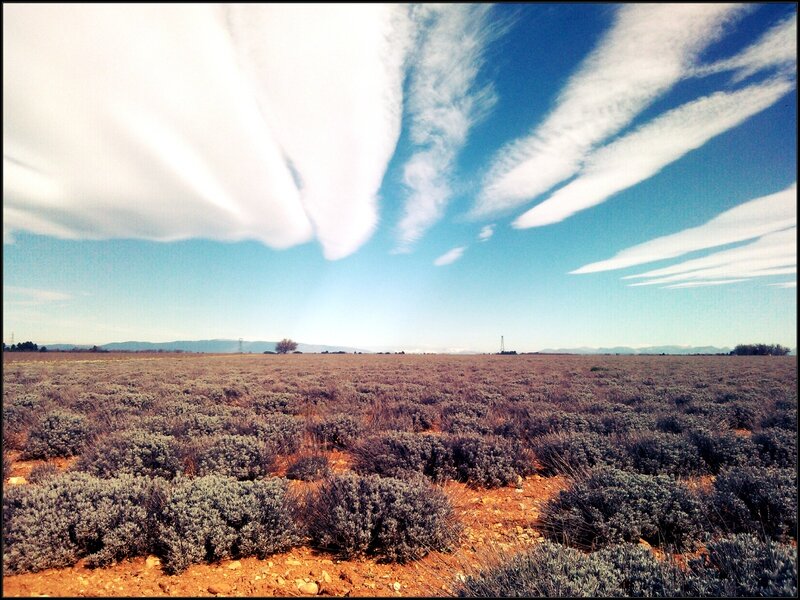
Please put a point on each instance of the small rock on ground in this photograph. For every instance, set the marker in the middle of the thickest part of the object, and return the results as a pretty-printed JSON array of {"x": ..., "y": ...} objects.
[
  {"x": 309, "y": 588},
  {"x": 219, "y": 588}
]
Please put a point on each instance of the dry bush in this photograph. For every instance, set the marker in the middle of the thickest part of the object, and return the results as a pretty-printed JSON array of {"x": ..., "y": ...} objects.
[{"x": 385, "y": 517}]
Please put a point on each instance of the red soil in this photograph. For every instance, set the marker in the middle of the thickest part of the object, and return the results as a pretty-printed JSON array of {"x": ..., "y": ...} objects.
[{"x": 496, "y": 523}]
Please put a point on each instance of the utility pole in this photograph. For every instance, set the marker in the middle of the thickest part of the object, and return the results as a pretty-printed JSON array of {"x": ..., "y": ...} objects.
[
  {"x": 502, "y": 345},
  {"x": 241, "y": 351}
]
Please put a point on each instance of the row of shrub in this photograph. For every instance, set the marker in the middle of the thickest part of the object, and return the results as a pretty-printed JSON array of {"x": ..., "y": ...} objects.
[
  {"x": 64, "y": 433},
  {"x": 691, "y": 452},
  {"x": 742, "y": 565},
  {"x": 64, "y": 517},
  {"x": 269, "y": 415},
  {"x": 485, "y": 461},
  {"x": 612, "y": 506},
  {"x": 142, "y": 453},
  {"x": 69, "y": 516},
  {"x": 488, "y": 461},
  {"x": 481, "y": 460}
]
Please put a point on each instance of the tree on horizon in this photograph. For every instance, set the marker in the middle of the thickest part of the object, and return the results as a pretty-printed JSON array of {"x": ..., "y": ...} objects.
[{"x": 285, "y": 346}]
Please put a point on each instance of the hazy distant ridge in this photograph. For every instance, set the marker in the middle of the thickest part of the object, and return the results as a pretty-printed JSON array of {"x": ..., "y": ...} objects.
[
  {"x": 645, "y": 350},
  {"x": 258, "y": 347},
  {"x": 207, "y": 346}
]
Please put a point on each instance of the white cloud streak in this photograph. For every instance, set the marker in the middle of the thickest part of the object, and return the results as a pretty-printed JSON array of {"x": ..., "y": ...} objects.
[
  {"x": 704, "y": 283},
  {"x": 167, "y": 122},
  {"x": 771, "y": 254},
  {"x": 450, "y": 256},
  {"x": 643, "y": 153},
  {"x": 329, "y": 81},
  {"x": 23, "y": 296},
  {"x": 648, "y": 50},
  {"x": 785, "y": 284},
  {"x": 443, "y": 105},
  {"x": 777, "y": 48},
  {"x": 751, "y": 219},
  {"x": 486, "y": 233}
]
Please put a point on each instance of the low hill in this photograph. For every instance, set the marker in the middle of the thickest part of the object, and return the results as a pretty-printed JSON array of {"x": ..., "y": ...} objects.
[
  {"x": 682, "y": 350},
  {"x": 204, "y": 346}
]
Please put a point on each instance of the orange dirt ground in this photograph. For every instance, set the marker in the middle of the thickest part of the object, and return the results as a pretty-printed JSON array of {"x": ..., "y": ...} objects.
[{"x": 496, "y": 523}]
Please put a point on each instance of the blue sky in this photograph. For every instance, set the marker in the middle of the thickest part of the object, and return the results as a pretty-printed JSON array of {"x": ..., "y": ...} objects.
[{"x": 401, "y": 177}]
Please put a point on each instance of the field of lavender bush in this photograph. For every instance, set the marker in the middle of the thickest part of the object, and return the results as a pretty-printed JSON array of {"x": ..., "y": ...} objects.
[{"x": 682, "y": 471}]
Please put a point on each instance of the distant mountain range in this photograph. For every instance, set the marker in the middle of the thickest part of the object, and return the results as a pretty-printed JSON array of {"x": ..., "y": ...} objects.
[
  {"x": 646, "y": 350},
  {"x": 258, "y": 347},
  {"x": 205, "y": 346}
]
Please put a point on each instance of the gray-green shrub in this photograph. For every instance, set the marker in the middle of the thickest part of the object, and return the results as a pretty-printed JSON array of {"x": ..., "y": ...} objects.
[
  {"x": 719, "y": 450},
  {"x": 466, "y": 423},
  {"x": 657, "y": 453},
  {"x": 551, "y": 570},
  {"x": 7, "y": 464},
  {"x": 133, "y": 452},
  {"x": 782, "y": 418},
  {"x": 239, "y": 456},
  {"x": 42, "y": 472},
  {"x": 542, "y": 424},
  {"x": 337, "y": 431},
  {"x": 309, "y": 468},
  {"x": 744, "y": 565},
  {"x": 621, "y": 422},
  {"x": 404, "y": 455},
  {"x": 59, "y": 433},
  {"x": 546, "y": 571},
  {"x": 283, "y": 434},
  {"x": 612, "y": 506},
  {"x": 572, "y": 453},
  {"x": 488, "y": 461},
  {"x": 385, "y": 517},
  {"x": 19, "y": 415},
  {"x": 75, "y": 515},
  {"x": 412, "y": 416},
  {"x": 640, "y": 575},
  {"x": 777, "y": 447},
  {"x": 756, "y": 500},
  {"x": 213, "y": 518}
]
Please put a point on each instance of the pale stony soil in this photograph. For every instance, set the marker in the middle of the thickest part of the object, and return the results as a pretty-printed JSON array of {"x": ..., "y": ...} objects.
[{"x": 496, "y": 523}]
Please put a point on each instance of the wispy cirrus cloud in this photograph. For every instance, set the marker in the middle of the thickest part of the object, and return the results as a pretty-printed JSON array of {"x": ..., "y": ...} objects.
[
  {"x": 771, "y": 254},
  {"x": 643, "y": 153},
  {"x": 746, "y": 221},
  {"x": 165, "y": 122},
  {"x": 443, "y": 105},
  {"x": 647, "y": 51},
  {"x": 24, "y": 296},
  {"x": 450, "y": 256},
  {"x": 784, "y": 284},
  {"x": 777, "y": 48},
  {"x": 691, "y": 284},
  {"x": 487, "y": 231}
]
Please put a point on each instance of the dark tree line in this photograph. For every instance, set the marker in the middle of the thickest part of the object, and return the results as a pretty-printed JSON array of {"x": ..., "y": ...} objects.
[
  {"x": 760, "y": 350},
  {"x": 24, "y": 347}
]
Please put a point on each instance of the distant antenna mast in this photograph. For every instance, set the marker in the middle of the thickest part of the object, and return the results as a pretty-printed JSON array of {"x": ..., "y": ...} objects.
[
  {"x": 241, "y": 350},
  {"x": 502, "y": 345}
]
